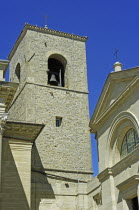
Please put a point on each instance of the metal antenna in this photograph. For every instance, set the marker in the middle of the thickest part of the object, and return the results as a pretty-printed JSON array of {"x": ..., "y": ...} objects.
[
  {"x": 45, "y": 21},
  {"x": 116, "y": 53}
]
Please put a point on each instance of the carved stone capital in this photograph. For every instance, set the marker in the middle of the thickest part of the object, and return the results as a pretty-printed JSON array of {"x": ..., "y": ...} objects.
[{"x": 3, "y": 120}]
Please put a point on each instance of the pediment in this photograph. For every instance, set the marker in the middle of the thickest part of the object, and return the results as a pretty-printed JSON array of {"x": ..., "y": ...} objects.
[
  {"x": 116, "y": 84},
  {"x": 115, "y": 88}
]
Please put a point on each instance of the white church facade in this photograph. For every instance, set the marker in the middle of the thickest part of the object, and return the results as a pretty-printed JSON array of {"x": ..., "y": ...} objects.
[{"x": 45, "y": 149}]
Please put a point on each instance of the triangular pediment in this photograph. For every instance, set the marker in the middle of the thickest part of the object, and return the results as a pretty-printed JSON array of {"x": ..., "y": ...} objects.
[
  {"x": 115, "y": 88},
  {"x": 116, "y": 84}
]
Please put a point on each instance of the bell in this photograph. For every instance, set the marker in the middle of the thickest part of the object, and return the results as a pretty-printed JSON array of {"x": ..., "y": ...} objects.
[{"x": 53, "y": 80}]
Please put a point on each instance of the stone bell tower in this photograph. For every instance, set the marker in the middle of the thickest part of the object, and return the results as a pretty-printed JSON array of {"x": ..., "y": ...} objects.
[{"x": 50, "y": 67}]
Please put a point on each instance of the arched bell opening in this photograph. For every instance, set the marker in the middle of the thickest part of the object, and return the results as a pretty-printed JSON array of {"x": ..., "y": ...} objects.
[{"x": 56, "y": 71}]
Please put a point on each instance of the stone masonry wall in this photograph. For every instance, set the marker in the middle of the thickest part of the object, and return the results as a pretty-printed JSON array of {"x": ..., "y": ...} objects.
[
  {"x": 66, "y": 147},
  {"x": 33, "y": 53}
]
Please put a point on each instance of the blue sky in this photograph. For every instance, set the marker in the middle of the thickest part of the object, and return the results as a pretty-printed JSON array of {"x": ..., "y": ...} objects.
[{"x": 109, "y": 24}]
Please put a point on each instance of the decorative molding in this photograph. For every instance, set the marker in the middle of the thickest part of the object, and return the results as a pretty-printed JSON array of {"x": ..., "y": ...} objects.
[
  {"x": 17, "y": 130},
  {"x": 120, "y": 166},
  {"x": 95, "y": 122},
  {"x": 44, "y": 30},
  {"x": 119, "y": 126},
  {"x": 134, "y": 180},
  {"x": 105, "y": 174},
  {"x": 7, "y": 91},
  {"x": 68, "y": 171},
  {"x": 126, "y": 161},
  {"x": 3, "y": 120},
  {"x": 20, "y": 145}
]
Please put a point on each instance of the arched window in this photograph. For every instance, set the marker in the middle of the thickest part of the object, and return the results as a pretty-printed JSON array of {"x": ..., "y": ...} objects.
[
  {"x": 130, "y": 140},
  {"x": 17, "y": 71},
  {"x": 56, "y": 70}
]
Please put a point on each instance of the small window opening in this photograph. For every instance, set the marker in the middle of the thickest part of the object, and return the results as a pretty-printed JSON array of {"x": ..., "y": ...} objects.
[
  {"x": 55, "y": 72},
  {"x": 58, "y": 121},
  {"x": 67, "y": 185},
  {"x": 17, "y": 71}
]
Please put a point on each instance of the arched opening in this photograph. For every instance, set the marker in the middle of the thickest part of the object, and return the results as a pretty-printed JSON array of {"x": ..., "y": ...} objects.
[
  {"x": 129, "y": 143},
  {"x": 121, "y": 125},
  {"x": 17, "y": 71},
  {"x": 56, "y": 70}
]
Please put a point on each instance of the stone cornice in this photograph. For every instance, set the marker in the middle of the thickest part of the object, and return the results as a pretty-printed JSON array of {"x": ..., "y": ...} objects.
[
  {"x": 59, "y": 88},
  {"x": 94, "y": 124},
  {"x": 22, "y": 131},
  {"x": 51, "y": 176},
  {"x": 104, "y": 174},
  {"x": 69, "y": 171},
  {"x": 3, "y": 65},
  {"x": 44, "y": 30},
  {"x": 120, "y": 166},
  {"x": 126, "y": 161},
  {"x": 134, "y": 180},
  {"x": 47, "y": 86},
  {"x": 7, "y": 91}
]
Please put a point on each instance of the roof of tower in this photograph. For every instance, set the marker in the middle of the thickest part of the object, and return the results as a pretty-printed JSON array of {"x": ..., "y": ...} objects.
[{"x": 47, "y": 31}]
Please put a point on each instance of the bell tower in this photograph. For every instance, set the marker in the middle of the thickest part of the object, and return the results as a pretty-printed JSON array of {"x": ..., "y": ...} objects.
[{"x": 50, "y": 67}]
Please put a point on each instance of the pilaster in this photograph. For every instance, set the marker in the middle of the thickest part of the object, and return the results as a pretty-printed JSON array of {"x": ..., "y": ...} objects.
[
  {"x": 108, "y": 189},
  {"x": 21, "y": 152}
]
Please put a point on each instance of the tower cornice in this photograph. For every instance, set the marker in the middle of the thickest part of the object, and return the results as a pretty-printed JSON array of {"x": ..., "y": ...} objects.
[{"x": 46, "y": 31}]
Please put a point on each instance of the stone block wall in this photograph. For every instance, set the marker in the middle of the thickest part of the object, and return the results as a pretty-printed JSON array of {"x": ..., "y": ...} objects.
[
  {"x": 62, "y": 154},
  {"x": 66, "y": 147}
]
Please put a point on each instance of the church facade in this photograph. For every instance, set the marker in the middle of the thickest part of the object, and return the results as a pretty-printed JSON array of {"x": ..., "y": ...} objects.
[
  {"x": 45, "y": 150},
  {"x": 116, "y": 124}
]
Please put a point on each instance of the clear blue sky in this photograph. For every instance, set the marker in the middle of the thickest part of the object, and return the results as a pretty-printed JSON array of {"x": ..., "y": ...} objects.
[{"x": 109, "y": 24}]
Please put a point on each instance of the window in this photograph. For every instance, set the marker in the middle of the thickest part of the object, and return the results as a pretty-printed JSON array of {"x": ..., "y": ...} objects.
[
  {"x": 58, "y": 121},
  {"x": 56, "y": 70},
  {"x": 17, "y": 72},
  {"x": 130, "y": 141}
]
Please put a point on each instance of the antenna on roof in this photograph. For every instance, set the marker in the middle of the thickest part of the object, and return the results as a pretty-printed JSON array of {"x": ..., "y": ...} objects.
[
  {"x": 116, "y": 53},
  {"x": 45, "y": 22}
]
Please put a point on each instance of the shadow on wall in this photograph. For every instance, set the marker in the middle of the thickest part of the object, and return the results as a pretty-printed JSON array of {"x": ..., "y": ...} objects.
[
  {"x": 13, "y": 194},
  {"x": 42, "y": 191}
]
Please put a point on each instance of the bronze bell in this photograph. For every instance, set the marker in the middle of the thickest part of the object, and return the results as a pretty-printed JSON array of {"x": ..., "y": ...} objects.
[{"x": 53, "y": 80}]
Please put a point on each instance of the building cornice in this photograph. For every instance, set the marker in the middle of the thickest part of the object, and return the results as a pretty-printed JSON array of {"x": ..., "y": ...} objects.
[
  {"x": 97, "y": 122},
  {"x": 120, "y": 166},
  {"x": 105, "y": 174},
  {"x": 4, "y": 65},
  {"x": 17, "y": 130},
  {"x": 7, "y": 92},
  {"x": 69, "y": 171},
  {"x": 46, "y": 31},
  {"x": 134, "y": 180}
]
